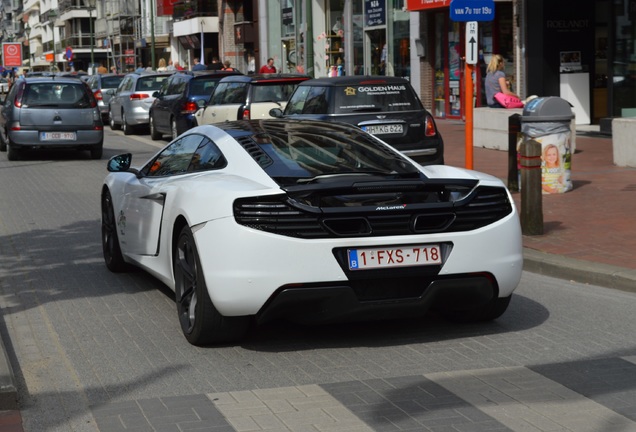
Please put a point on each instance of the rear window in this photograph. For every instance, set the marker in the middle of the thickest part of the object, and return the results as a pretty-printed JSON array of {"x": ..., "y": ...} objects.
[
  {"x": 294, "y": 153},
  {"x": 375, "y": 97},
  {"x": 278, "y": 92},
  {"x": 150, "y": 83},
  {"x": 55, "y": 93},
  {"x": 111, "y": 81},
  {"x": 203, "y": 87}
]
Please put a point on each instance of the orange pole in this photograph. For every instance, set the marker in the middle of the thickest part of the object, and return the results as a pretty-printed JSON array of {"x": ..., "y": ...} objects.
[{"x": 468, "y": 103}]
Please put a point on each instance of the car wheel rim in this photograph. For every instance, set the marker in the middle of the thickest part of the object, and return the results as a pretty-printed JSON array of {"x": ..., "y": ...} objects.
[{"x": 186, "y": 284}]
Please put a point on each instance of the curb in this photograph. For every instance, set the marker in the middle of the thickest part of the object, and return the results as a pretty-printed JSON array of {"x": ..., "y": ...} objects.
[{"x": 586, "y": 272}]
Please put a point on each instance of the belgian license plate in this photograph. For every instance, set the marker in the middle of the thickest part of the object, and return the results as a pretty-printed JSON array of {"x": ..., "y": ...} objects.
[
  {"x": 57, "y": 136},
  {"x": 384, "y": 129},
  {"x": 374, "y": 258}
]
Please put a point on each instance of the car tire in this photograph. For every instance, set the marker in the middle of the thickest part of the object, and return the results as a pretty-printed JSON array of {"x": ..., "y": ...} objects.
[
  {"x": 110, "y": 242},
  {"x": 13, "y": 154},
  {"x": 200, "y": 322},
  {"x": 173, "y": 129},
  {"x": 111, "y": 121},
  {"x": 125, "y": 127},
  {"x": 488, "y": 312},
  {"x": 97, "y": 151},
  {"x": 154, "y": 134},
  {"x": 3, "y": 143}
]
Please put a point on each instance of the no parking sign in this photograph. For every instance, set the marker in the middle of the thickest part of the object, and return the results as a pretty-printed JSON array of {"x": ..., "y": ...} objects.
[
  {"x": 11, "y": 54},
  {"x": 69, "y": 53}
]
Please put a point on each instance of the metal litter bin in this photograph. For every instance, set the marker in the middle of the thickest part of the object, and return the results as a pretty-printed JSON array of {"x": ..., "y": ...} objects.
[{"x": 547, "y": 120}]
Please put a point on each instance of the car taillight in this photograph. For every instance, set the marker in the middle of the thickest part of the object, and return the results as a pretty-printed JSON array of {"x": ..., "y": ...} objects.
[
  {"x": 246, "y": 115},
  {"x": 430, "y": 127},
  {"x": 98, "y": 95},
  {"x": 189, "y": 108},
  {"x": 138, "y": 96}
]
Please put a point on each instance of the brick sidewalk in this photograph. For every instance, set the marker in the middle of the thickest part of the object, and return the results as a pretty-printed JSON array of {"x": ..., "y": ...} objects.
[{"x": 593, "y": 222}]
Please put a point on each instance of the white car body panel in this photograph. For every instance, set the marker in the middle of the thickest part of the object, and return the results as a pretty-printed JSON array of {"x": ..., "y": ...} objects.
[{"x": 214, "y": 114}]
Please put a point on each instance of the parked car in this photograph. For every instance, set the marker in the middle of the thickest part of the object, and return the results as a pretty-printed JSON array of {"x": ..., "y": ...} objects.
[
  {"x": 4, "y": 86},
  {"x": 130, "y": 103},
  {"x": 50, "y": 112},
  {"x": 99, "y": 83},
  {"x": 384, "y": 106},
  {"x": 172, "y": 111},
  {"x": 248, "y": 97},
  {"x": 310, "y": 221}
]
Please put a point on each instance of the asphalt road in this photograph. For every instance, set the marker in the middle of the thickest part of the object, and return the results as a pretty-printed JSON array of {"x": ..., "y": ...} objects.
[{"x": 89, "y": 346}]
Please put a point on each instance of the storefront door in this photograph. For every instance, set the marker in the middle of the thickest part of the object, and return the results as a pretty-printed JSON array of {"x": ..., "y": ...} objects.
[{"x": 375, "y": 49}]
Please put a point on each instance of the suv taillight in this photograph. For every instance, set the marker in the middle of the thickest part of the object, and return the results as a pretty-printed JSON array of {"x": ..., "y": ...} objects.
[
  {"x": 245, "y": 114},
  {"x": 138, "y": 96},
  {"x": 430, "y": 127},
  {"x": 189, "y": 108}
]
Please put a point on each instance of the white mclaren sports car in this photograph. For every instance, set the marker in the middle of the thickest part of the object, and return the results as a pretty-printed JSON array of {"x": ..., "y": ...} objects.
[{"x": 308, "y": 221}]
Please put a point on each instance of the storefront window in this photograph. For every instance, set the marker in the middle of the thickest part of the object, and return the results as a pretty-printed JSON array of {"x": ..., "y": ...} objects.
[
  {"x": 440, "y": 84},
  {"x": 358, "y": 40},
  {"x": 401, "y": 45},
  {"x": 335, "y": 38}
]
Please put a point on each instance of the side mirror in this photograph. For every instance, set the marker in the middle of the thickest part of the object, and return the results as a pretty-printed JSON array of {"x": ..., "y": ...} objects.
[
  {"x": 276, "y": 113},
  {"x": 109, "y": 91},
  {"x": 119, "y": 163},
  {"x": 201, "y": 103},
  {"x": 155, "y": 94}
]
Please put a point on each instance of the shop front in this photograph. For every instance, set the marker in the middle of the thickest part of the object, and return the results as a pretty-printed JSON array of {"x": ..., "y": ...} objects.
[
  {"x": 347, "y": 37},
  {"x": 446, "y": 44}
]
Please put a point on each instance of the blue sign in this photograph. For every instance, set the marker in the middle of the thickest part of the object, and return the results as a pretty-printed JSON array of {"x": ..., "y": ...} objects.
[
  {"x": 374, "y": 12},
  {"x": 472, "y": 10}
]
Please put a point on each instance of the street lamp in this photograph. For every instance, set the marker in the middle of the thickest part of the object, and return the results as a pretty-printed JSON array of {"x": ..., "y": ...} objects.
[
  {"x": 52, "y": 16},
  {"x": 91, "y": 6}
]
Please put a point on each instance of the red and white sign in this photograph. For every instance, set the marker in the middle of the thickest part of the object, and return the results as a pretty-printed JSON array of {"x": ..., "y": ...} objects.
[{"x": 11, "y": 54}]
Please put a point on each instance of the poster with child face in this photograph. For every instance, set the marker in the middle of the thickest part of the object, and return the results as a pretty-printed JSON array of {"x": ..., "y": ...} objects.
[{"x": 556, "y": 162}]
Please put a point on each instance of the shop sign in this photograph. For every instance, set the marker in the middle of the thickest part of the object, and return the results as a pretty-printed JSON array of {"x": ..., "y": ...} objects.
[
  {"x": 413, "y": 5},
  {"x": 374, "y": 12},
  {"x": 288, "y": 16}
]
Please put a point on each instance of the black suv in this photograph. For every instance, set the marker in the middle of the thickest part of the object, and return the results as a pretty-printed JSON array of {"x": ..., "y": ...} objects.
[
  {"x": 175, "y": 103},
  {"x": 384, "y": 106}
]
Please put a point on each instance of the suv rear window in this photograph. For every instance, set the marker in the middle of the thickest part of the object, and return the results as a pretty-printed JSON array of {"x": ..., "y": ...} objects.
[
  {"x": 379, "y": 97},
  {"x": 150, "y": 83}
]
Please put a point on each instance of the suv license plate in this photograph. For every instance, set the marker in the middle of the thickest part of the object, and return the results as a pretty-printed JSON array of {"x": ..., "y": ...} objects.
[
  {"x": 57, "y": 136},
  {"x": 374, "y": 258},
  {"x": 384, "y": 129}
]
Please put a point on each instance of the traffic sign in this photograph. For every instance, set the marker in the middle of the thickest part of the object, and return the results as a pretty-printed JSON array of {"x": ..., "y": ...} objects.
[
  {"x": 69, "y": 53},
  {"x": 11, "y": 54},
  {"x": 472, "y": 10},
  {"x": 471, "y": 42}
]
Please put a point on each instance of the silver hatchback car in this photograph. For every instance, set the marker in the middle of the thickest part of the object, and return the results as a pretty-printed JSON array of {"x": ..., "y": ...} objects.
[
  {"x": 130, "y": 103},
  {"x": 50, "y": 112}
]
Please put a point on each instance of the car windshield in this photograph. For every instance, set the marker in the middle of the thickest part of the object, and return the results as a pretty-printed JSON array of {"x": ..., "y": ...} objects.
[
  {"x": 375, "y": 97},
  {"x": 150, "y": 83},
  {"x": 302, "y": 152},
  {"x": 56, "y": 94}
]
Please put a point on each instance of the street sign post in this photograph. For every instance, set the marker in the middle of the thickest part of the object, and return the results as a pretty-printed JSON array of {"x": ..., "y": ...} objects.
[{"x": 470, "y": 12}]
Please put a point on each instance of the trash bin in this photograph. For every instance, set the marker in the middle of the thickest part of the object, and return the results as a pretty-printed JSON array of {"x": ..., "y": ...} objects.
[{"x": 547, "y": 120}]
